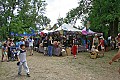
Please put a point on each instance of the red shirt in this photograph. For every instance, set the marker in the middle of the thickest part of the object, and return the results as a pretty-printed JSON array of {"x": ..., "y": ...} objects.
[{"x": 102, "y": 43}]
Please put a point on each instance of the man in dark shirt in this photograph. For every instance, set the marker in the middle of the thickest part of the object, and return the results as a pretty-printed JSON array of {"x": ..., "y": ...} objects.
[
  {"x": 50, "y": 46},
  {"x": 45, "y": 45}
]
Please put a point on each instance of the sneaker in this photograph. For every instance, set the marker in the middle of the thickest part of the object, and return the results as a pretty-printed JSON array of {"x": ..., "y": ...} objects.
[
  {"x": 28, "y": 75},
  {"x": 19, "y": 74}
]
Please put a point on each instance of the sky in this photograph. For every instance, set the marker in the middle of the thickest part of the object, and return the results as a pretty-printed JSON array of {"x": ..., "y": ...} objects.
[{"x": 58, "y": 8}]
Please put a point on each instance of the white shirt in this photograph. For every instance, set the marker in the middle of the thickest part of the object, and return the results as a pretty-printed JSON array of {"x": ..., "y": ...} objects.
[
  {"x": 22, "y": 55},
  {"x": 31, "y": 42}
]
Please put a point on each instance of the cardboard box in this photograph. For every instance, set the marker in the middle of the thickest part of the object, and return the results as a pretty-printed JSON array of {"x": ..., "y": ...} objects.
[{"x": 68, "y": 51}]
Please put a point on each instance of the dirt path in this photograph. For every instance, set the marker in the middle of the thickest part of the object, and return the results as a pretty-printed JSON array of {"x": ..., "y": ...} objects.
[{"x": 60, "y": 68}]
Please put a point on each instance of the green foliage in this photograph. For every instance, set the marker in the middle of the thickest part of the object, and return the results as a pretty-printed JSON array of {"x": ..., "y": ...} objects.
[
  {"x": 60, "y": 21},
  {"x": 105, "y": 12},
  {"x": 78, "y": 12},
  {"x": 100, "y": 13},
  {"x": 18, "y": 15}
]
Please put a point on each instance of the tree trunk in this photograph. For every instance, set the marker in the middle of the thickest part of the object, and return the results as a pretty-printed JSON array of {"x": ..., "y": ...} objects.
[
  {"x": 113, "y": 30},
  {"x": 116, "y": 22}
]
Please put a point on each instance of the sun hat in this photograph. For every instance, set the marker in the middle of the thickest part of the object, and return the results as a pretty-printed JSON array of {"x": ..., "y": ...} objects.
[
  {"x": 101, "y": 37},
  {"x": 96, "y": 35}
]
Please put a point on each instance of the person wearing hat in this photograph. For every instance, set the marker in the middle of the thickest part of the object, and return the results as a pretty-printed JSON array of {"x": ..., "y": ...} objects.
[
  {"x": 117, "y": 56},
  {"x": 21, "y": 42},
  {"x": 101, "y": 44},
  {"x": 95, "y": 41}
]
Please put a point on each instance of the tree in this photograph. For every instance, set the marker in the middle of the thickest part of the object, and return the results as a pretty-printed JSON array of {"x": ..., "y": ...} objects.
[
  {"x": 105, "y": 12},
  {"x": 99, "y": 13},
  {"x": 19, "y": 15},
  {"x": 79, "y": 12},
  {"x": 60, "y": 21}
]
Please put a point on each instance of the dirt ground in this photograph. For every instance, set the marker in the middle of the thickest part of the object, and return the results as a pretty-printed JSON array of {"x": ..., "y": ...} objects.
[{"x": 63, "y": 68}]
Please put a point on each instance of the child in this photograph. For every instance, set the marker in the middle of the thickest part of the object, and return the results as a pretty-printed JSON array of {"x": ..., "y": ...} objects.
[
  {"x": 4, "y": 52},
  {"x": 94, "y": 50},
  {"x": 74, "y": 50},
  {"x": 22, "y": 59},
  {"x": 94, "y": 53}
]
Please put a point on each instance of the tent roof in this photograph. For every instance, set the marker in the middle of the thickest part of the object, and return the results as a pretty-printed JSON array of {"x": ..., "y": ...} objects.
[
  {"x": 85, "y": 31},
  {"x": 46, "y": 31},
  {"x": 67, "y": 27}
]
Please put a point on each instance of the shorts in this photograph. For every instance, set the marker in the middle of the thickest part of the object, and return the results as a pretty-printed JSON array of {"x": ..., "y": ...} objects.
[
  {"x": 102, "y": 47},
  {"x": 5, "y": 53},
  {"x": 31, "y": 47},
  {"x": 45, "y": 48}
]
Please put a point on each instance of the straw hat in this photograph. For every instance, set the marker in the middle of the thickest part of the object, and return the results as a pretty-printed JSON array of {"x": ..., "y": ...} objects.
[
  {"x": 93, "y": 46},
  {"x": 22, "y": 38}
]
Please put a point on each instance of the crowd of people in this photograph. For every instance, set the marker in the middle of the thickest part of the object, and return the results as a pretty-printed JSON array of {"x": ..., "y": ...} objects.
[
  {"x": 10, "y": 48},
  {"x": 53, "y": 44}
]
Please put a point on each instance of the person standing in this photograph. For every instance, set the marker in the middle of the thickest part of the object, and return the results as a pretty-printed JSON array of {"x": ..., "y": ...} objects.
[
  {"x": 74, "y": 50},
  {"x": 12, "y": 47},
  {"x": 22, "y": 60},
  {"x": 45, "y": 45},
  {"x": 8, "y": 45},
  {"x": 101, "y": 44},
  {"x": 4, "y": 52},
  {"x": 31, "y": 41},
  {"x": 21, "y": 42},
  {"x": 96, "y": 41},
  {"x": 50, "y": 46}
]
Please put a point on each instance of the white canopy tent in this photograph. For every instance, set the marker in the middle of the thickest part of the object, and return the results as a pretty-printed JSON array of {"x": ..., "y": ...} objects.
[
  {"x": 47, "y": 31},
  {"x": 67, "y": 27}
]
